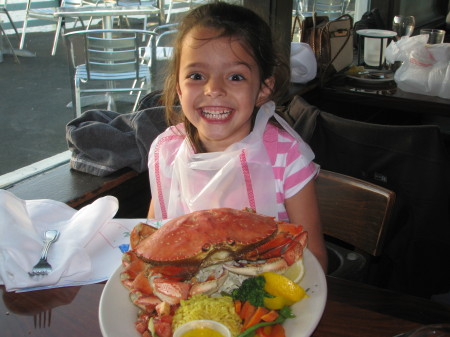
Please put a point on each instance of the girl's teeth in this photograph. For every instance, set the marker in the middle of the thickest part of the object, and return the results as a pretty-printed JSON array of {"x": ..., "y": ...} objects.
[{"x": 216, "y": 115}]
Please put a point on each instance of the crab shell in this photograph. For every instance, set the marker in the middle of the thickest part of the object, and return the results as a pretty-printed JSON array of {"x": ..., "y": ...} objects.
[{"x": 206, "y": 237}]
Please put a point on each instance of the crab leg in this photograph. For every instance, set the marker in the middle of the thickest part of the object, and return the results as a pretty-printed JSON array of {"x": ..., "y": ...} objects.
[
  {"x": 169, "y": 291},
  {"x": 282, "y": 244},
  {"x": 209, "y": 286},
  {"x": 140, "y": 232},
  {"x": 254, "y": 269}
]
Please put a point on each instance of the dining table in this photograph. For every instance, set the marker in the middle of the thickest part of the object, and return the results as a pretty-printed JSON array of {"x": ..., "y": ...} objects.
[{"x": 352, "y": 309}]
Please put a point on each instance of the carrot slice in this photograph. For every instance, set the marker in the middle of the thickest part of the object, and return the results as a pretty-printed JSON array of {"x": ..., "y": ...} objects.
[
  {"x": 238, "y": 307},
  {"x": 256, "y": 317},
  {"x": 277, "y": 331},
  {"x": 247, "y": 312},
  {"x": 270, "y": 316},
  {"x": 247, "y": 309},
  {"x": 263, "y": 331}
]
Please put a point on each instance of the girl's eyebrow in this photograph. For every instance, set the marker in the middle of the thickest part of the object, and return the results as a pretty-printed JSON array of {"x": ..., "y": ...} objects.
[{"x": 230, "y": 64}]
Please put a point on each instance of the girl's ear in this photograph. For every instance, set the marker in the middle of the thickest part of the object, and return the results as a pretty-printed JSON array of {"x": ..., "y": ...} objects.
[
  {"x": 265, "y": 91},
  {"x": 178, "y": 91}
]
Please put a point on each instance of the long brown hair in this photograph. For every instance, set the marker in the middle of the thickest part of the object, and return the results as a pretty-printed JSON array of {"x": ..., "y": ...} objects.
[{"x": 231, "y": 21}]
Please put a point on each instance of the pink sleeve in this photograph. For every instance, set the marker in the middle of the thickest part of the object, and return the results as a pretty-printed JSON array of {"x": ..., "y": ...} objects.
[{"x": 292, "y": 161}]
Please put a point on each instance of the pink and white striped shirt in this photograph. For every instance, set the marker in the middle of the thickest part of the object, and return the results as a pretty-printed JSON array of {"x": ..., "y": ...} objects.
[
  {"x": 291, "y": 159},
  {"x": 292, "y": 167}
]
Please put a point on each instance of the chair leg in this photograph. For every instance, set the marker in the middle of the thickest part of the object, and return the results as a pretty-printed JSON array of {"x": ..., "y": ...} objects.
[
  {"x": 77, "y": 103},
  {"x": 56, "y": 38},
  {"x": 12, "y": 22},
  {"x": 2, "y": 32},
  {"x": 24, "y": 31},
  {"x": 147, "y": 83}
]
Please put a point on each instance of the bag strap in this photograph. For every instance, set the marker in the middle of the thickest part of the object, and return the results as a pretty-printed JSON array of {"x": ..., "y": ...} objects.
[{"x": 296, "y": 22}]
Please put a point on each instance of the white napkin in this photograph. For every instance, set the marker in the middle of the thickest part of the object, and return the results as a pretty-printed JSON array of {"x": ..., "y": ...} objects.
[
  {"x": 22, "y": 227},
  {"x": 303, "y": 63}
]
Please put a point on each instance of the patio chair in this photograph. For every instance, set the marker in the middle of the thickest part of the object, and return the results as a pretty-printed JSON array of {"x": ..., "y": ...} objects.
[
  {"x": 157, "y": 52},
  {"x": 46, "y": 13},
  {"x": 111, "y": 57},
  {"x": 10, "y": 46},
  {"x": 331, "y": 8},
  {"x": 160, "y": 48},
  {"x": 357, "y": 213}
]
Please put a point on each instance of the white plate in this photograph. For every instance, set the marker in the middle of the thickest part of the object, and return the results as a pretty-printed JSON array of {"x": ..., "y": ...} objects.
[
  {"x": 376, "y": 33},
  {"x": 366, "y": 78},
  {"x": 117, "y": 314}
]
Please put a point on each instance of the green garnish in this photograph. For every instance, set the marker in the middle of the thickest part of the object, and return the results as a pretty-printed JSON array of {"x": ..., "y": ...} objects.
[{"x": 252, "y": 290}]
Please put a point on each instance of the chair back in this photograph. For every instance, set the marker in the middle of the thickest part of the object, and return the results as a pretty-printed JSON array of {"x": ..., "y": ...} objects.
[
  {"x": 113, "y": 51},
  {"x": 161, "y": 49},
  {"x": 331, "y": 8},
  {"x": 354, "y": 211}
]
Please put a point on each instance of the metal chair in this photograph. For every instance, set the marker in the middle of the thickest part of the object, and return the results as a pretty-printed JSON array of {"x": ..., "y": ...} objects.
[
  {"x": 331, "y": 8},
  {"x": 47, "y": 14},
  {"x": 5, "y": 36},
  {"x": 357, "y": 213},
  {"x": 161, "y": 47},
  {"x": 158, "y": 51},
  {"x": 4, "y": 10},
  {"x": 110, "y": 56}
]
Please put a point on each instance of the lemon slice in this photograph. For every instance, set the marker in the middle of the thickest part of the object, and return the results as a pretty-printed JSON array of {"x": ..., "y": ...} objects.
[
  {"x": 280, "y": 285},
  {"x": 296, "y": 271}
]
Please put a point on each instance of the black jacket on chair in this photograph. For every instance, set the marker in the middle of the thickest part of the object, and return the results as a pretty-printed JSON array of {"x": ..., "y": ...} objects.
[{"x": 411, "y": 161}]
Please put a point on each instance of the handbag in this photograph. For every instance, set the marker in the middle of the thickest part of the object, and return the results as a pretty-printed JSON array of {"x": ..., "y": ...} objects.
[{"x": 331, "y": 41}]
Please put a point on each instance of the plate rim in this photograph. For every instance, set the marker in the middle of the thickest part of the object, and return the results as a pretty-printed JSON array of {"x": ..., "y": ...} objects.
[
  {"x": 372, "y": 80},
  {"x": 367, "y": 32}
]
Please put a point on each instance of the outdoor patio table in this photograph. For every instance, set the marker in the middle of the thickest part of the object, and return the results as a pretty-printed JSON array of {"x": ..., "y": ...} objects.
[{"x": 107, "y": 11}]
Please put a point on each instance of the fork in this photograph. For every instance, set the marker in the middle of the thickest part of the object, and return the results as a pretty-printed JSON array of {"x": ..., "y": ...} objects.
[
  {"x": 43, "y": 267},
  {"x": 42, "y": 319}
]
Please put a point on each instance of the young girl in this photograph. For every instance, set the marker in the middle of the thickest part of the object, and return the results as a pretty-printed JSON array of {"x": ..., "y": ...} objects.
[{"x": 221, "y": 150}]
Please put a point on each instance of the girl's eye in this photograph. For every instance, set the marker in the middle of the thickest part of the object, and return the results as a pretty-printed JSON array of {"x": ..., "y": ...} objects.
[
  {"x": 237, "y": 77},
  {"x": 195, "y": 76}
]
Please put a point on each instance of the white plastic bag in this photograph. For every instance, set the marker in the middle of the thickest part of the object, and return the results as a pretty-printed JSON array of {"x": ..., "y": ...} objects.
[
  {"x": 303, "y": 63},
  {"x": 425, "y": 68}
]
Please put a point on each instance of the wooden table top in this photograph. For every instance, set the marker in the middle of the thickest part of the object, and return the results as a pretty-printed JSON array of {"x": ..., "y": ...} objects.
[{"x": 352, "y": 309}]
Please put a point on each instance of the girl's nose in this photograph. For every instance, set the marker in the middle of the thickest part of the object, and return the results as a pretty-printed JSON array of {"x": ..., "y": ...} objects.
[{"x": 214, "y": 87}]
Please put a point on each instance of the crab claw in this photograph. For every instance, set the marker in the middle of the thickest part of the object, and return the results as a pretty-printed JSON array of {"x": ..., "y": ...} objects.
[{"x": 253, "y": 269}]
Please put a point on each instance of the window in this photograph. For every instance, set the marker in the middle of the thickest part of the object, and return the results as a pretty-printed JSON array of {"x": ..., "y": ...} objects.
[{"x": 35, "y": 93}]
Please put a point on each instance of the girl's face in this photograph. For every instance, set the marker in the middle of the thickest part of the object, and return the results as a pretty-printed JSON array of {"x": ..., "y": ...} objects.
[{"x": 219, "y": 86}]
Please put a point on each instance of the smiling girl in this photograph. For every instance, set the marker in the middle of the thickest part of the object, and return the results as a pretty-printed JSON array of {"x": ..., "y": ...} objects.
[{"x": 226, "y": 146}]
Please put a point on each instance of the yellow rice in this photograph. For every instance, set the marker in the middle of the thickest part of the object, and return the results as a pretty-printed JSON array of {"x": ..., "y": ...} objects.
[{"x": 220, "y": 309}]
